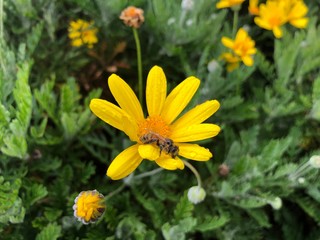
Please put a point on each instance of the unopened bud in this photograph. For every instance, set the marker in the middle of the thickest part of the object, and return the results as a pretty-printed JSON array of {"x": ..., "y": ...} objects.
[
  {"x": 276, "y": 204},
  {"x": 196, "y": 194},
  {"x": 224, "y": 170},
  {"x": 315, "y": 161}
]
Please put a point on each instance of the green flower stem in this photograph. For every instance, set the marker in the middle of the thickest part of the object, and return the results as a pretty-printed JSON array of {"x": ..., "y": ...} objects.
[
  {"x": 119, "y": 189},
  {"x": 138, "y": 47},
  {"x": 235, "y": 22},
  {"x": 195, "y": 172},
  {"x": 122, "y": 186},
  {"x": 150, "y": 173},
  {"x": 302, "y": 170}
]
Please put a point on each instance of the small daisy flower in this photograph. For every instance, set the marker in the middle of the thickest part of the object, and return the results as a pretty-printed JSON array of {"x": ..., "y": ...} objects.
[
  {"x": 272, "y": 16},
  {"x": 89, "y": 206},
  {"x": 132, "y": 16},
  {"x": 82, "y": 33},
  {"x": 160, "y": 137},
  {"x": 243, "y": 46}
]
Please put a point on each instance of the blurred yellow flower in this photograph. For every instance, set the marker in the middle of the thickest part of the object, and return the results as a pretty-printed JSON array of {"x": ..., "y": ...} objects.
[
  {"x": 296, "y": 13},
  {"x": 132, "y": 16},
  {"x": 272, "y": 16},
  {"x": 243, "y": 47},
  {"x": 89, "y": 206},
  {"x": 82, "y": 32},
  {"x": 253, "y": 7},
  {"x": 276, "y": 13},
  {"x": 231, "y": 60},
  {"x": 160, "y": 137},
  {"x": 229, "y": 3}
]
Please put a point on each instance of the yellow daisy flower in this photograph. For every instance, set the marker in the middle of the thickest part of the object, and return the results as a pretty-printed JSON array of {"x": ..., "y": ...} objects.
[
  {"x": 272, "y": 16},
  {"x": 82, "y": 33},
  {"x": 229, "y": 3},
  {"x": 159, "y": 137},
  {"x": 243, "y": 46},
  {"x": 89, "y": 206}
]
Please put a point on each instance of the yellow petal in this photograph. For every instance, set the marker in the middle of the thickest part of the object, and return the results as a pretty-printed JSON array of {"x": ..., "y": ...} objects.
[
  {"x": 125, "y": 97},
  {"x": 197, "y": 115},
  {"x": 125, "y": 163},
  {"x": 108, "y": 112},
  {"x": 195, "y": 132},
  {"x": 130, "y": 127},
  {"x": 247, "y": 60},
  {"x": 170, "y": 163},
  {"x": 262, "y": 23},
  {"x": 277, "y": 32},
  {"x": 227, "y": 42},
  {"x": 194, "y": 152},
  {"x": 300, "y": 23},
  {"x": 149, "y": 151},
  {"x": 156, "y": 90},
  {"x": 222, "y": 4},
  {"x": 241, "y": 35},
  {"x": 178, "y": 99}
]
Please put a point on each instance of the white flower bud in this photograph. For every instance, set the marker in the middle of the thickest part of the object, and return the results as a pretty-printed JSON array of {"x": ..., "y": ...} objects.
[
  {"x": 315, "y": 161},
  {"x": 301, "y": 180},
  {"x": 276, "y": 204},
  {"x": 171, "y": 21},
  {"x": 187, "y": 5},
  {"x": 213, "y": 65},
  {"x": 196, "y": 194}
]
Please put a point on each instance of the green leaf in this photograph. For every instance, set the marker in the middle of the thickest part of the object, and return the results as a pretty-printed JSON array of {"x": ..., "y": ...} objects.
[
  {"x": 14, "y": 146},
  {"x": 285, "y": 56},
  {"x": 310, "y": 206},
  {"x": 212, "y": 222},
  {"x": 68, "y": 122},
  {"x": 34, "y": 37},
  {"x": 47, "y": 99},
  {"x": 172, "y": 232},
  {"x": 184, "y": 209},
  {"x": 11, "y": 209},
  {"x": 315, "y": 110},
  {"x": 34, "y": 192},
  {"x": 38, "y": 131},
  {"x": 52, "y": 214},
  {"x": 273, "y": 151},
  {"x": 47, "y": 164},
  {"x": 250, "y": 202},
  {"x": 51, "y": 232},
  {"x": 260, "y": 216},
  {"x": 69, "y": 96},
  {"x": 22, "y": 96}
]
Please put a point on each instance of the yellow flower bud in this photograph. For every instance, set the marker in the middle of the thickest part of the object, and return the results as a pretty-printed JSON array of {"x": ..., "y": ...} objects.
[{"x": 89, "y": 206}]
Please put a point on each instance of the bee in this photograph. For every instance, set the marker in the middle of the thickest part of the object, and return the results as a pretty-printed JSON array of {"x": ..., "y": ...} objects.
[{"x": 164, "y": 144}]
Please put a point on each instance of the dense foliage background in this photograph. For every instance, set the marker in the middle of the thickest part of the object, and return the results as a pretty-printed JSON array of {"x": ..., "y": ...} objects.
[{"x": 259, "y": 184}]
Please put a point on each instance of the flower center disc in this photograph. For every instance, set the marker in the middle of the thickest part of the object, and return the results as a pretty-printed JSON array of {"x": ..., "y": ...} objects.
[{"x": 154, "y": 124}]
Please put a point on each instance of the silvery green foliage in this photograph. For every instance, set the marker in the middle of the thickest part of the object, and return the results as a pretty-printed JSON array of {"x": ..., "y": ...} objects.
[{"x": 52, "y": 147}]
